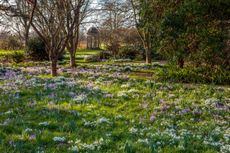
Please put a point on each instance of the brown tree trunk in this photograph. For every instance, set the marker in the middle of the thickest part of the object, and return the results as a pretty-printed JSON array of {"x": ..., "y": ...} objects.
[
  {"x": 72, "y": 60},
  {"x": 26, "y": 39},
  {"x": 72, "y": 51},
  {"x": 26, "y": 33},
  {"x": 53, "y": 67},
  {"x": 148, "y": 54},
  {"x": 181, "y": 63}
]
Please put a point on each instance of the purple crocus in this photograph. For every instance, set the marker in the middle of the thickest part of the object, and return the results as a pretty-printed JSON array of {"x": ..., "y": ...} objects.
[
  {"x": 185, "y": 111},
  {"x": 152, "y": 118}
]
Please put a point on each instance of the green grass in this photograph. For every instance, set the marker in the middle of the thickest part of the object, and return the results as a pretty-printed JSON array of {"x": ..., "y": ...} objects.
[
  {"x": 13, "y": 56},
  {"x": 100, "y": 108},
  {"x": 82, "y": 53},
  {"x": 87, "y": 52},
  {"x": 9, "y": 52}
]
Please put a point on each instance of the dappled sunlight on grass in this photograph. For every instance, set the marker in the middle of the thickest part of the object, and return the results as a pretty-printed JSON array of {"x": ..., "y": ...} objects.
[
  {"x": 100, "y": 108},
  {"x": 5, "y": 52}
]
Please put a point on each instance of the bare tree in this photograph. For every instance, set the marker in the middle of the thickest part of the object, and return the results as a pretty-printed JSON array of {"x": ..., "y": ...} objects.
[
  {"x": 15, "y": 14},
  {"x": 115, "y": 16},
  {"x": 49, "y": 21},
  {"x": 78, "y": 10},
  {"x": 23, "y": 22}
]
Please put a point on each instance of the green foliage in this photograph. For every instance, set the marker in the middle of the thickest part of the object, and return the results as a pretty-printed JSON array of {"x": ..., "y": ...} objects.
[
  {"x": 105, "y": 55},
  {"x": 191, "y": 33},
  {"x": 190, "y": 74},
  {"x": 129, "y": 52},
  {"x": 36, "y": 49},
  {"x": 129, "y": 148},
  {"x": 149, "y": 14},
  {"x": 186, "y": 31},
  {"x": 18, "y": 57},
  {"x": 12, "y": 56}
]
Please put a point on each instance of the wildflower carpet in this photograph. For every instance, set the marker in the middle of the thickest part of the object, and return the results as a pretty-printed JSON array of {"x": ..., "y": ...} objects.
[{"x": 102, "y": 108}]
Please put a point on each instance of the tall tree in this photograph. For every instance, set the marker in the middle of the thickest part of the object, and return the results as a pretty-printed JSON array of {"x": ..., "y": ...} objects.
[
  {"x": 195, "y": 31},
  {"x": 16, "y": 15},
  {"x": 49, "y": 22},
  {"x": 115, "y": 16},
  {"x": 77, "y": 11},
  {"x": 142, "y": 15}
]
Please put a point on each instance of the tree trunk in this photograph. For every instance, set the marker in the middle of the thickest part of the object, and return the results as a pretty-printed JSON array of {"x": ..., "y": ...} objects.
[
  {"x": 148, "y": 55},
  {"x": 26, "y": 35},
  {"x": 181, "y": 63},
  {"x": 26, "y": 39},
  {"x": 53, "y": 67},
  {"x": 72, "y": 60}
]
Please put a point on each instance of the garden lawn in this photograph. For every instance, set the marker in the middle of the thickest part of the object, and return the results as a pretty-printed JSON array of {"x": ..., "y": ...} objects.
[
  {"x": 82, "y": 53},
  {"x": 101, "y": 108}
]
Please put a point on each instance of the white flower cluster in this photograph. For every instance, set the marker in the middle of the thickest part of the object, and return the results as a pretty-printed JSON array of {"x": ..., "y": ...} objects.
[
  {"x": 59, "y": 139},
  {"x": 133, "y": 130},
  {"x": 27, "y": 130},
  {"x": 82, "y": 98},
  {"x": 103, "y": 120},
  {"x": 95, "y": 146},
  {"x": 225, "y": 148},
  {"x": 43, "y": 123},
  {"x": 127, "y": 85},
  {"x": 122, "y": 94}
]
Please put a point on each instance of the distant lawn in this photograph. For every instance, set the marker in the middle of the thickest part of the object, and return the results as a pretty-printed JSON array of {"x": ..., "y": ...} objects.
[
  {"x": 82, "y": 53},
  {"x": 79, "y": 53},
  {"x": 87, "y": 52}
]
